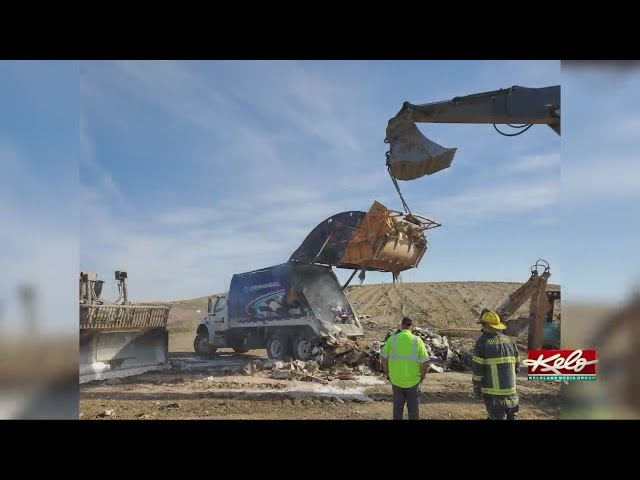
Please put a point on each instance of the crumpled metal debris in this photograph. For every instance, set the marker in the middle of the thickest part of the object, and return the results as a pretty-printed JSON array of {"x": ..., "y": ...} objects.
[
  {"x": 297, "y": 370},
  {"x": 281, "y": 374},
  {"x": 448, "y": 354},
  {"x": 444, "y": 354},
  {"x": 342, "y": 358}
]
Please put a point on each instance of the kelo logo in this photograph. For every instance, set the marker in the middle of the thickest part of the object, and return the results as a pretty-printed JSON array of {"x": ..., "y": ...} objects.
[{"x": 561, "y": 365}]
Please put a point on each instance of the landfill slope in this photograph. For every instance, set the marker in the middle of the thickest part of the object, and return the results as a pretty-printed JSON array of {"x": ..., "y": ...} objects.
[
  {"x": 446, "y": 305},
  {"x": 347, "y": 386},
  {"x": 451, "y": 307}
]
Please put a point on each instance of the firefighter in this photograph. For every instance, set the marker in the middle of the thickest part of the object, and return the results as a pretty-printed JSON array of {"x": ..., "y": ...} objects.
[
  {"x": 495, "y": 366},
  {"x": 404, "y": 360}
]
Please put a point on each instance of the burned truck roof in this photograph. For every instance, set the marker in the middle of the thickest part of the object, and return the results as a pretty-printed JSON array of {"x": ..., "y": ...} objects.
[{"x": 380, "y": 239}]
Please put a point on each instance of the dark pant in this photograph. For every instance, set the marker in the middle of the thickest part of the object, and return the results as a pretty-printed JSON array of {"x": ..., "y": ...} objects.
[
  {"x": 497, "y": 410},
  {"x": 408, "y": 396}
]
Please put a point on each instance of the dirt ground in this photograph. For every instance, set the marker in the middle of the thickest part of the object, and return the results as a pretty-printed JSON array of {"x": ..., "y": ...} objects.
[
  {"x": 209, "y": 391},
  {"x": 201, "y": 395}
]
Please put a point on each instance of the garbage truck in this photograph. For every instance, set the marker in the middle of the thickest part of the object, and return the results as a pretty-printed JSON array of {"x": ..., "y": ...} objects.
[
  {"x": 292, "y": 307},
  {"x": 286, "y": 309}
]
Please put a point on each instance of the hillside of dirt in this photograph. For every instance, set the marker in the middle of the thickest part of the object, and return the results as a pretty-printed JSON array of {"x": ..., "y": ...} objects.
[{"x": 451, "y": 307}]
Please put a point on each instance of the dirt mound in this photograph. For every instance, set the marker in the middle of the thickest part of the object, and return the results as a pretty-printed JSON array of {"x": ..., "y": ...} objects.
[
  {"x": 448, "y": 305},
  {"x": 443, "y": 305}
]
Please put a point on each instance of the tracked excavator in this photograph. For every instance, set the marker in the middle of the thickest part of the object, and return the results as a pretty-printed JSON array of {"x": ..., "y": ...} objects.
[{"x": 119, "y": 339}]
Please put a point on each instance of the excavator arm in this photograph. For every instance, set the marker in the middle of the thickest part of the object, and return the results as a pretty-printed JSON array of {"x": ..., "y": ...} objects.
[
  {"x": 535, "y": 289},
  {"x": 412, "y": 155}
]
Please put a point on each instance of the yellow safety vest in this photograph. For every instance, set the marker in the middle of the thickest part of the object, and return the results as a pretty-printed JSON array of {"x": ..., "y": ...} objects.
[{"x": 404, "y": 352}]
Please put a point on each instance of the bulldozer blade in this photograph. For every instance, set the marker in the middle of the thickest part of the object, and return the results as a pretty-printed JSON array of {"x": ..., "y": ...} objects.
[
  {"x": 122, "y": 340},
  {"x": 108, "y": 354},
  {"x": 411, "y": 154}
]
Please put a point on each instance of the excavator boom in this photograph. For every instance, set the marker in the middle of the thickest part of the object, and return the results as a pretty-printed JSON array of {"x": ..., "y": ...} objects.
[
  {"x": 540, "y": 307},
  {"x": 412, "y": 155}
]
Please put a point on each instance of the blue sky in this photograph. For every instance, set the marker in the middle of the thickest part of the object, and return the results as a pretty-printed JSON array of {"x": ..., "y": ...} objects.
[
  {"x": 193, "y": 171},
  {"x": 600, "y": 183},
  {"x": 39, "y": 152}
]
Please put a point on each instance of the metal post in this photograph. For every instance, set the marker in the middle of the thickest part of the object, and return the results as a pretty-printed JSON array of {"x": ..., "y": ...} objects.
[
  {"x": 537, "y": 312},
  {"x": 350, "y": 278},
  {"x": 124, "y": 289}
]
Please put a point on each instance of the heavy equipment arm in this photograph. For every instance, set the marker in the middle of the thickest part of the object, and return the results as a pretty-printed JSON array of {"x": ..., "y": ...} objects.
[
  {"x": 412, "y": 155},
  {"x": 541, "y": 305}
]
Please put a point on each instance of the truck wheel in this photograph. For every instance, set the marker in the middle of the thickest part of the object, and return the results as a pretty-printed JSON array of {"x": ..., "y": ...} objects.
[
  {"x": 201, "y": 346},
  {"x": 278, "y": 347},
  {"x": 240, "y": 347},
  {"x": 302, "y": 348}
]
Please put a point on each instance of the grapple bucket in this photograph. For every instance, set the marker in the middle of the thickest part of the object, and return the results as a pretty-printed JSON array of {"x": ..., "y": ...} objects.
[
  {"x": 381, "y": 239},
  {"x": 388, "y": 240},
  {"x": 122, "y": 340},
  {"x": 411, "y": 154}
]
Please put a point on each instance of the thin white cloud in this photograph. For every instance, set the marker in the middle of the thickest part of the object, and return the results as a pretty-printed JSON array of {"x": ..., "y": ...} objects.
[
  {"x": 98, "y": 173},
  {"x": 185, "y": 216},
  {"x": 602, "y": 179},
  {"x": 495, "y": 201},
  {"x": 183, "y": 253},
  {"x": 536, "y": 163},
  {"x": 268, "y": 183},
  {"x": 624, "y": 129}
]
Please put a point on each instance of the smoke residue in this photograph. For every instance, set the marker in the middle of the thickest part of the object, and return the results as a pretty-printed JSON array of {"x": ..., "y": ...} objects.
[{"x": 322, "y": 291}]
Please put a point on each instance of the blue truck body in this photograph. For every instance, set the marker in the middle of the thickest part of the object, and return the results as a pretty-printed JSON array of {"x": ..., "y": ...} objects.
[{"x": 286, "y": 308}]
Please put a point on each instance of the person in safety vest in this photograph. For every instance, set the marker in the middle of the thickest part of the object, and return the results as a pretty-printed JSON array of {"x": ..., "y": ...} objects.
[
  {"x": 404, "y": 360},
  {"x": 496, "y": 363}
]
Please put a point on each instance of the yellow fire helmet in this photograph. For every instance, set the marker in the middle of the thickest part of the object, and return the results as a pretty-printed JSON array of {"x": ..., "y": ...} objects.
[{"x": 493, "y": 320}]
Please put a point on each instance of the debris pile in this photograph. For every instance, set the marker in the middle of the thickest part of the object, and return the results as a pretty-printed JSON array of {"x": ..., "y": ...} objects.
[
  {"x": 445, "y": 354},
  {"x": 343, "y": 359}
]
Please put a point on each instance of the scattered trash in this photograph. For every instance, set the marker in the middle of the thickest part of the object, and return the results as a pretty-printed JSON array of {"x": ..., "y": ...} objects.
[
  {"x": 171, "y": 406},
  {"x": 436, "y": 368},
  {"x": 258, "y": 365},
  {"x": 281, "y": 374},
  {"x": 109, "y": 413},
  {"x": 312, "y": 366},
  {"x": 268, "y": 364}
]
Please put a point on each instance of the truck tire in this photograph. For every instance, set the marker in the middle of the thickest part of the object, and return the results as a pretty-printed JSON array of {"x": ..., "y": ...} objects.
[
  {"x": 302, "y": 348},
  {"x": 279, "y": 347},
  {"x": 201, "y": 346},
  {"x": 239, "y": 347}
]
